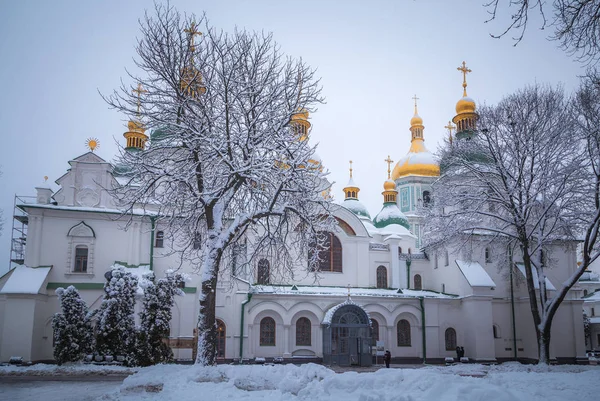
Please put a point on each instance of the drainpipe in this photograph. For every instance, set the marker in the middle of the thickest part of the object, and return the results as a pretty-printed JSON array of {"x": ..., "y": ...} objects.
[
  {"x": 408, "y": 262},
  {"x": 423, "y": 330},
  {"x": 153, "y": 223},
  {"x": 242, "y": 326},
  {"x": 512, "y": 306}
]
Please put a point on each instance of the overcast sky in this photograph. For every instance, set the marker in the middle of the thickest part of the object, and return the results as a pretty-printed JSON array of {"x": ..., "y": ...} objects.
[{"x": 373, "y": 57}]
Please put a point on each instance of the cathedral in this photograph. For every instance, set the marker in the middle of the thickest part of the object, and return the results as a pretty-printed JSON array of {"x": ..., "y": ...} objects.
[{"x": 378, "y": 289}]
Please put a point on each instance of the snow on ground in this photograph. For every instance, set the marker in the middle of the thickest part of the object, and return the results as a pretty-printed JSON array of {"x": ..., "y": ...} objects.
[
  {"x": 468, "y": 382},
  {"x": 70, "y": 369}
]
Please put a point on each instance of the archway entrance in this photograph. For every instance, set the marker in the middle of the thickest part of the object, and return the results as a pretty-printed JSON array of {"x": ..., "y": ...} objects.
[
  {"x": 220, "y": 339},
  {"x": 347, "y": 337}
]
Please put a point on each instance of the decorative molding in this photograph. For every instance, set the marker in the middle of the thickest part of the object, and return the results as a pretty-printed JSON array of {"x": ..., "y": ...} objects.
[
  {"x": 378, "y": 247},
  {"x": 87, "y": 197},
  {"x": 81, "y": 230}
]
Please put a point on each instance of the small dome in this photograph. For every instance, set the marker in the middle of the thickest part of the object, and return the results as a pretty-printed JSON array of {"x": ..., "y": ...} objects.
[
  {"x": 356, "y": 207},
  {"x": 390, "y": 214},
  {"x": 135, "y": 126},
  {"x": 418, "y": 161},
  {"x": 389, "y": 185},
  {"x": 465, "y": 105},
  {"x": 301, "y": 114},
  {"x": 416, "y": 120}
]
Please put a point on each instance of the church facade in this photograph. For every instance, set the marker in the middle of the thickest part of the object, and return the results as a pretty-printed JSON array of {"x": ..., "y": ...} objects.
[{"x": 376, "y": 286}]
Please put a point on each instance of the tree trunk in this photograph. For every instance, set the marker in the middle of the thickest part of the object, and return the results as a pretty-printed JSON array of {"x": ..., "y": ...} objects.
[
  {"x": 543, "y": 337},
  {"x": 207, "y": 328}
]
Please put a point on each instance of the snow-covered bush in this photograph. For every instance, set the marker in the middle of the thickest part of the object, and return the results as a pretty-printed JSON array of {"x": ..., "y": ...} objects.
[
  {"x": 73, "y": 334},
  {"x": 159, "y": 298},
  {"x": 115, "y": 322}
]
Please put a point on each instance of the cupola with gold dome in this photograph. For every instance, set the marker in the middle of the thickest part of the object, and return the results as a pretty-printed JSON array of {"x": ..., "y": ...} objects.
[
  {"x": 390, "y": 214},
  {"x": 135, "y": 136},
  {"x": 419, "y": 161},
  {"x": 351, "y": 201},
  {"x": 466, "y": 116}
]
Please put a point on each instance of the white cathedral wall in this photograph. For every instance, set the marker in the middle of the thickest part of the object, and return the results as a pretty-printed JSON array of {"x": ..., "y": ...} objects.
[{"x": 18, "y": 327}]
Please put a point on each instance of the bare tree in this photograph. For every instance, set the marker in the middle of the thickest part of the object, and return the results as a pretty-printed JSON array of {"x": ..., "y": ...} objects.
[
  {"x": 228, "y": 159},
  {"x": 587, "y": 110},
  {"x": 523, "y": 180},
  {"x": 576, "y": 23}
]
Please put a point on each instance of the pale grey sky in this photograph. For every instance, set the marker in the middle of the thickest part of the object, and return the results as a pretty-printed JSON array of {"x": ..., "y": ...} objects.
[{"x": 373, "y": 57}]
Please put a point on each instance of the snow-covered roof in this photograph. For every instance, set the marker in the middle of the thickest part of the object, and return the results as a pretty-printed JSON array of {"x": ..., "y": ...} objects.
[
  {"x": 589, "y": 276},
  {"x": 343, "y": 291},
  {"x": 26, "y": 280},
  {"x": 595, "y": 320},
  {"x": 536, "y": 281},
  {"x": 137, "y": 212},
  {"x": 390, "y": 214},
  {"x": 475, "y": 274},
  {"x": 395, "y": 230}
]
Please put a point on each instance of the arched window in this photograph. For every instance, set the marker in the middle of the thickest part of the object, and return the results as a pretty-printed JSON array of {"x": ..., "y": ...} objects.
[
  {"x": 488, "y": 255},
  {"x": 329, "y": 253},
  {"x": 450, "y": 337},
  {"x": 418, "y": 284},
  {"x": 382, "y": 281},
  {"x": 374, "y": 331},
  {"x": 263, "y": 272},
  {"x": 81, "y": 259},
  {"x": 160, "y": 239},
  {"x": 403, "y": 332},
  {"x": 220, "y": 339},
  {"x": 303, "y": 327},
  {"x": 426, "y": 198},
  {"x": 267, "y": 331},
  {"x": 585, "y": 292},
  {"x": 496, "y": 331}
]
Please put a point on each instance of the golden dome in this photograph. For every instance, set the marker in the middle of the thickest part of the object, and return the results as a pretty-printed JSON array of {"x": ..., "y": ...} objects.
[
  {"x": 416, "y": 120},
  {"x": 135, "y": 126},
  {"x": 389, "y": 185},
  {"x": 465, "y": 105},
  {"x": 301, "y": 114}
]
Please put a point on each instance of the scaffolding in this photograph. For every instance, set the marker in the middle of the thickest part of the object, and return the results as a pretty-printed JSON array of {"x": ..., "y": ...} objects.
[{"x": 19, "y": 230}]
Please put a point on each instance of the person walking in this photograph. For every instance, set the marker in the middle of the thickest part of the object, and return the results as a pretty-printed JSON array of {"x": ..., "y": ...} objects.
[{"x": 387, "y": 357}]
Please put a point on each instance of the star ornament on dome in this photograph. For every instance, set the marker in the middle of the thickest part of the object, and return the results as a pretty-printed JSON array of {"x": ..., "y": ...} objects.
[{"x": 92, "y": 143}]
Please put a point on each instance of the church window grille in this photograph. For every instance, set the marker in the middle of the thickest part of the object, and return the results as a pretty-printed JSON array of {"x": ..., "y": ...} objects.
[
  {"x": 160, "y": 239},
  {"x": 382, "y": 281},
  {"x": 585, "y": 292},
  {"x": 374, "y": 331},
  {"x": 329, "y": 253},
  {"x": 264, "y": 272},
  {"x": 303, "y": 328},
  {"x": 426, "y": 198},
  {"x": 488, "y": 255},
  {"x": 450, "y": 337},
  {"x": 81, "y": 259},
  {"x": 403, "y": 333},
  {"x": 267, "y": 331},
  {"x": 418, "y": 282}
]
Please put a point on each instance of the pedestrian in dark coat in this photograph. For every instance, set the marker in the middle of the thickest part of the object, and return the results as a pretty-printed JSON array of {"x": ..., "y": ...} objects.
[
  {"x": 462, "y": 352},
  {"x": 387, "y": 357},
  {"x": 458, "y": 353}
]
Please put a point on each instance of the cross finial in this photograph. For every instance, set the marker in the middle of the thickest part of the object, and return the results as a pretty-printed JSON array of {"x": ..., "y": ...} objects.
[
  {"x": 389, "y": 163},
  {"x": 192, "y": 31},
  {"x": 415, "y": 98},
  {"x": 139, "y": 92},
  {"x": 350, "y": 168},
  {"x": 450, "y": 128},
  {"x": 465, "y": 70}
]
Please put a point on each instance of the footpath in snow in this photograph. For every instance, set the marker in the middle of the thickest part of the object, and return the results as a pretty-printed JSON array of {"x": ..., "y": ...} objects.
[{"x": 469, "y": 382}]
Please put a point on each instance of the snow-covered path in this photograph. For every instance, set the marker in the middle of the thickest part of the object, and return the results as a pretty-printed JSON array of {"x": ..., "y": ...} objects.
[{"x": 56, "y": 390}]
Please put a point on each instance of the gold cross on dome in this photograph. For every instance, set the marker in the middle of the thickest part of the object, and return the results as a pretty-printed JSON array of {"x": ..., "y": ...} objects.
[
  {"x": 389, "y": 163},
  {"x": 450, "y": 127},
  {"x": 139, "y": 92},
  {"x": 350, "y": 168},
  {"x": 415, "y": 98},
  {"x": 192, "y": 31},
  {"x": 465, "y": 70}
]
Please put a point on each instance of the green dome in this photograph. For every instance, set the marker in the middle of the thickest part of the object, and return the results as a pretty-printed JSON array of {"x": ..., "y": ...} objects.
[
  {"x": 356, "y": 207},
  {"x": 390, "y": 214},
  {"x": 158, "y": 134}
]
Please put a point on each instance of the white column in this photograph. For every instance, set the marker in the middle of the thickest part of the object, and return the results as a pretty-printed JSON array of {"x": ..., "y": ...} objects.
[
  {"x": 395, "y": 265},
  {"x": 286, "y": 341}
]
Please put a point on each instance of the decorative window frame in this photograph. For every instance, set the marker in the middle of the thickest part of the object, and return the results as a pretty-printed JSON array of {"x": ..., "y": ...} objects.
[{"x": 80, "y": 234}]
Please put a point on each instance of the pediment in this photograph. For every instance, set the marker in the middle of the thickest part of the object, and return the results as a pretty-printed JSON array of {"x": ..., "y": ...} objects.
[
  {"x": 81, "y": 230},
  {"x": 89, "y": 157}
]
